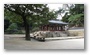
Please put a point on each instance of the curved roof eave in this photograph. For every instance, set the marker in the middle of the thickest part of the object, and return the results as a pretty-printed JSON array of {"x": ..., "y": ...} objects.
[{"x": 58, "y": 22}]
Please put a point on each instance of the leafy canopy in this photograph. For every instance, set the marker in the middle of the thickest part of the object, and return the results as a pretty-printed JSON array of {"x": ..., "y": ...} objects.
[
  {"x": 34, "y": 13},
  {"x": 76, "y": 15}
]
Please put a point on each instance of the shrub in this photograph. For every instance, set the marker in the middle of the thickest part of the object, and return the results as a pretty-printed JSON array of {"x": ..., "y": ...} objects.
[{"x": 12, "y": 28}]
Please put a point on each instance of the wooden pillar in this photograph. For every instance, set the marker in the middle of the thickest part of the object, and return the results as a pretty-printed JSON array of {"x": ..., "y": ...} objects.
[
  {"x": 58, "y": 28},
  {"x": 46, "y": 27},
  {"x": 53, "y": 28},
  {"x": 64, "y": 28},
  {"x": 61, "y": 28}
]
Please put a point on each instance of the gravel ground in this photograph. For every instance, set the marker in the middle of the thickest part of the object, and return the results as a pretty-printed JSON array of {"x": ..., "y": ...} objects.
[{"x": 18, "y": 42}]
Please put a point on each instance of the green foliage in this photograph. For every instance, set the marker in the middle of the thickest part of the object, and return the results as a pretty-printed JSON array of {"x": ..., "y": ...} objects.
[
  {"x": 76, "y": 17},
  {"x": 78, "y": 9},
  {"x": 19, "y": 32},
  {"x": 66, "y": 17},
  {"x": 34, "y": 13},
  {"x": 12, "y": 28},
  {"x": 12, "y": 17}
]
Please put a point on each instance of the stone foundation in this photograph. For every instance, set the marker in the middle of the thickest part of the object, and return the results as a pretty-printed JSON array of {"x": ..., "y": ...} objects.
[
  {"x": 75, "y": 32},
  {"x": 47, "y": 34}
]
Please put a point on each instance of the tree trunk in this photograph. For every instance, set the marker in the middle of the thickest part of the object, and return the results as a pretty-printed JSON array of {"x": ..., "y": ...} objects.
[{"x": 27, "y": 30}]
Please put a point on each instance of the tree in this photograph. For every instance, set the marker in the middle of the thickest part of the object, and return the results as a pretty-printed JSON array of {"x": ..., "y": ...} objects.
[
  {"x": 64, "y": 10},
  {"x": 30, "y": 14},
  {"x": 60, "y": 11},
  {"x": 76, "y": 15},
  {"x": 65, "y": 17}
]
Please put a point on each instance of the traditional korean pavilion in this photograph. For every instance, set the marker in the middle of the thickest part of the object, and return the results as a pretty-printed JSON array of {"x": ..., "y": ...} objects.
[{"x": 54, "y": 25}]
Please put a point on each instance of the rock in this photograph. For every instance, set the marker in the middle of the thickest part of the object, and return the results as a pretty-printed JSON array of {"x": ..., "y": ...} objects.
[
  {"x": 49, "y": 34},
  {"x": 57, "y": 33}
]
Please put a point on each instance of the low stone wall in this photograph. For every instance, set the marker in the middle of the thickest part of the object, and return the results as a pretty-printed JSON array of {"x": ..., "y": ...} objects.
[
  {"x": 47, "y": 34},
  {"x": 75, "y": 32}
]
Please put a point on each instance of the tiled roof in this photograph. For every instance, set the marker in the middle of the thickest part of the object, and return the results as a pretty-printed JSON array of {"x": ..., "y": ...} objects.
[{"x": 57, "y": 22}]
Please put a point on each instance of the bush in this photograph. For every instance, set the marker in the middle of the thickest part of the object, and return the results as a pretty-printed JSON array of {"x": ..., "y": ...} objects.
[
  {"x": 12, "y": 28},
  {"x": 19, "y": 32}
]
